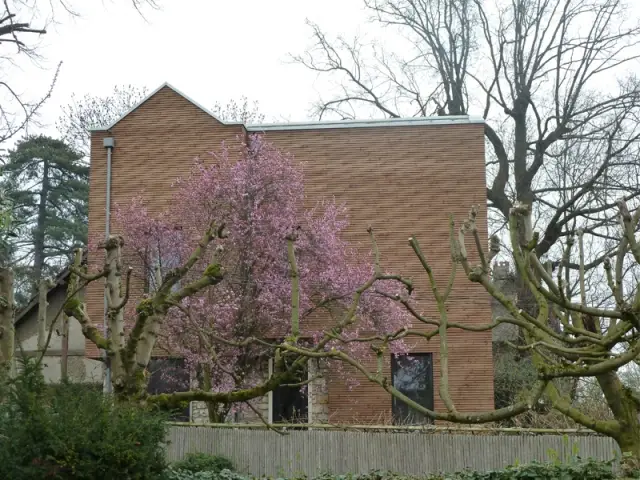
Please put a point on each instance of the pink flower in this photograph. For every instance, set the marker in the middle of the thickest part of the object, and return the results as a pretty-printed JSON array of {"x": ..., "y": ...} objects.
[{"x": 260, "y": 199}]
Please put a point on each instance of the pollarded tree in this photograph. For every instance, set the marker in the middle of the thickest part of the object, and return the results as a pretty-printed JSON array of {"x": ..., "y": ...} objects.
[
  {"x": 248, "y": 286},
  {"x": 553, "y": 80},
  {"x": 260, "y": 201},
  {"x": 568, "y": 337}
]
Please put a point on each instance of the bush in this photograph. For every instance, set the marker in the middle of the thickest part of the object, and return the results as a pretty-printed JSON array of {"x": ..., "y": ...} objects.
[
  {"x": 589, "y": 470},
  {"x": 578, "y": 470},
  {"x": 173, "y": 474},
  {"x": 202, "y": 462},
  {"x": 72, "y": 432}
]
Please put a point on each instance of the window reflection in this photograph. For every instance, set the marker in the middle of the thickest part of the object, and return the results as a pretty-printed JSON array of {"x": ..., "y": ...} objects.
[{"x": 412, "y": 375}]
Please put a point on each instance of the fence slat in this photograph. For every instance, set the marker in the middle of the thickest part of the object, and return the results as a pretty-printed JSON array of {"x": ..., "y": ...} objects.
[{"x": 266, "y": 453}]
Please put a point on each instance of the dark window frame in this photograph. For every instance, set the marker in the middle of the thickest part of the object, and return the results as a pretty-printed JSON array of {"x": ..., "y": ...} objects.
[
  {"x": 157, "y": 384},
  {"x": 402, "y": 413},
  {"x": 285, "y": 413}
]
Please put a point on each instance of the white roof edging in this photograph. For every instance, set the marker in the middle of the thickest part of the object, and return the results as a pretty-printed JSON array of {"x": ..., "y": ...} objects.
[
  {"x": 384, "y": 122},
  {"x": 311, "y": 125}
]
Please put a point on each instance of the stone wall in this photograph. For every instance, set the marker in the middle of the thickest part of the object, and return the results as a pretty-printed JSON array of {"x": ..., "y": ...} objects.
[
  {"x": 199, "y": 413},
  {"x": 319, "y": 392}
]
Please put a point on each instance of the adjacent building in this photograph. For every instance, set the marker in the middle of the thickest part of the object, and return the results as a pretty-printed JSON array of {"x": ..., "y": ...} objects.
[{"x": 80, "y": 368}]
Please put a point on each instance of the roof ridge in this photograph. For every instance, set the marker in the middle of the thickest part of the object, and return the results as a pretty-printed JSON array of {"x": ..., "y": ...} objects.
[{"x": 311, "y": 125}]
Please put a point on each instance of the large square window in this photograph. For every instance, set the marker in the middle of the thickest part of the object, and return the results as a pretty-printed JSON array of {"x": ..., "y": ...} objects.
[
  {"x": 412, "y": 375},
  {"x": 169, "y": 375}
]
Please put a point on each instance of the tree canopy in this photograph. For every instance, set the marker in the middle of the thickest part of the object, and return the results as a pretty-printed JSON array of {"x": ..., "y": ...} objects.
[{"x": 47, "y": 184}]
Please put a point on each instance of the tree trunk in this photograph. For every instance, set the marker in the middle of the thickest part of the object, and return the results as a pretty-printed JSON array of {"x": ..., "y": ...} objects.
[
  {"x": 215, "y": 415},
  {"x": 64, "y": 353},
  {"x": 42, "y": 314},
  {"x": 7, "y": 329},
  {"x": 39, "y": 233},
  {"x": 128, "y": 386},
  {"x": 629, "y": 444},
  {"x": 212, "y": 407},
  {"x": 71, "y": 293},
  {"x": 625, "y": 411}
]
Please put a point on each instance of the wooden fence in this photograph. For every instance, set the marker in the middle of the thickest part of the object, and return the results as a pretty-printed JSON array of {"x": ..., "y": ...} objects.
[{"x": 264, "y": 452}]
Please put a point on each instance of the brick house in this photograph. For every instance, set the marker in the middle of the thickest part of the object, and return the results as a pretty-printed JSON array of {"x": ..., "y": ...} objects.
[{"x": 402, "y": 176}]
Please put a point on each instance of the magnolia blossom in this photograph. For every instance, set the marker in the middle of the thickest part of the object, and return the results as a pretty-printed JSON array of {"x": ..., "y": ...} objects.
[{"x": 257, "y": 193}]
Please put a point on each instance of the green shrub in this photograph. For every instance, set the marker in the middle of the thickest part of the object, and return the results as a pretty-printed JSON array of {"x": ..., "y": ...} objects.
[
  {"x": 72, "y": 432},
  {"x": 173, "y": 474},
  {"x": 577, "y": 470},
  {"x": 202, "y": 462}
]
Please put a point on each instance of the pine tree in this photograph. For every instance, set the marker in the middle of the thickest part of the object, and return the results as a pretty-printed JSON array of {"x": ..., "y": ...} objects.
[
  {"x": 6, "y": 230},
  {"x": 48, "y": 184}
]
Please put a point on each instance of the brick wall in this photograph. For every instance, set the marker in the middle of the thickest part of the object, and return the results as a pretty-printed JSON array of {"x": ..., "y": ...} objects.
[{"x": 402, "y": 180}]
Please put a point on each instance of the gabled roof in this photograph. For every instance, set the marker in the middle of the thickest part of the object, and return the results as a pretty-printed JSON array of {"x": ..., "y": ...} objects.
[
  {"x": 385, "y": 122},
  {"x": 60, "y": 281},
  {"x": 167, "y": 85}
]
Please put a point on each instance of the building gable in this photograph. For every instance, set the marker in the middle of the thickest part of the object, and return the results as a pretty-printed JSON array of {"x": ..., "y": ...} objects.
[{"x": 162, "y": 90}]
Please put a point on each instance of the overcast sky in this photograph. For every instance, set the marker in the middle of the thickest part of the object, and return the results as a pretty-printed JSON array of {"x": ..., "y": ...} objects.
[{"x": 212, "y": 50}]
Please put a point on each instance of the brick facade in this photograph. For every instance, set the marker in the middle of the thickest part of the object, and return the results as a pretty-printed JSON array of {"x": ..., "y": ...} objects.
[{"x": 402, "y": 178}]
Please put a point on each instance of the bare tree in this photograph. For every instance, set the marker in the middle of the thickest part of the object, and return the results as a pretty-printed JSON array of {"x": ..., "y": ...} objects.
[
  {"x": 91, "y": 111},
  {"x": 17, "y": 39},
  {"x": 22, "y": 23},
  {"x": 83, "y": 114},
  {"x": 239, "y": 111},
  {"x": 550, "y": 78},
  {"x": 568, "y": 337}
]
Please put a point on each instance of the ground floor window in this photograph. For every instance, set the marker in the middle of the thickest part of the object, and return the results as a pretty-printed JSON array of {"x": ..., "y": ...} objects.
[
  {"x": 289, "y": 403},
  {"x": 412, "y": 374},
  {"x": 168, "y": 375}
]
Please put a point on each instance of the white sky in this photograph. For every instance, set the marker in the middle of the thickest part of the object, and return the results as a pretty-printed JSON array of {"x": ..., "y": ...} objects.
[{"x": 212, "y": 50}]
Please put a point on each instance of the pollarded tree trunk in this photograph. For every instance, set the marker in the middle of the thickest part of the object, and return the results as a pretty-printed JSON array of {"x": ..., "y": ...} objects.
[
  {"x": 213, "y": 408},
  {"x": 629, "y": 442},
  {"x": 130, "y": 356},
  {"x": 624, "y": 406}
]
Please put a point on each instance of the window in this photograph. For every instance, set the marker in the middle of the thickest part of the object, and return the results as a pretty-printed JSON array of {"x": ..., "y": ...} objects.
[
  {"x": 168, "y": 375},
  {"x": 289, "y": 404},
  {"x": 413, "y": 376}
]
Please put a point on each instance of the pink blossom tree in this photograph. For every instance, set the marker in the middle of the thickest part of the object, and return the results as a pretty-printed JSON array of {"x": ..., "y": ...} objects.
[{"x": 289, "y": 274}]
